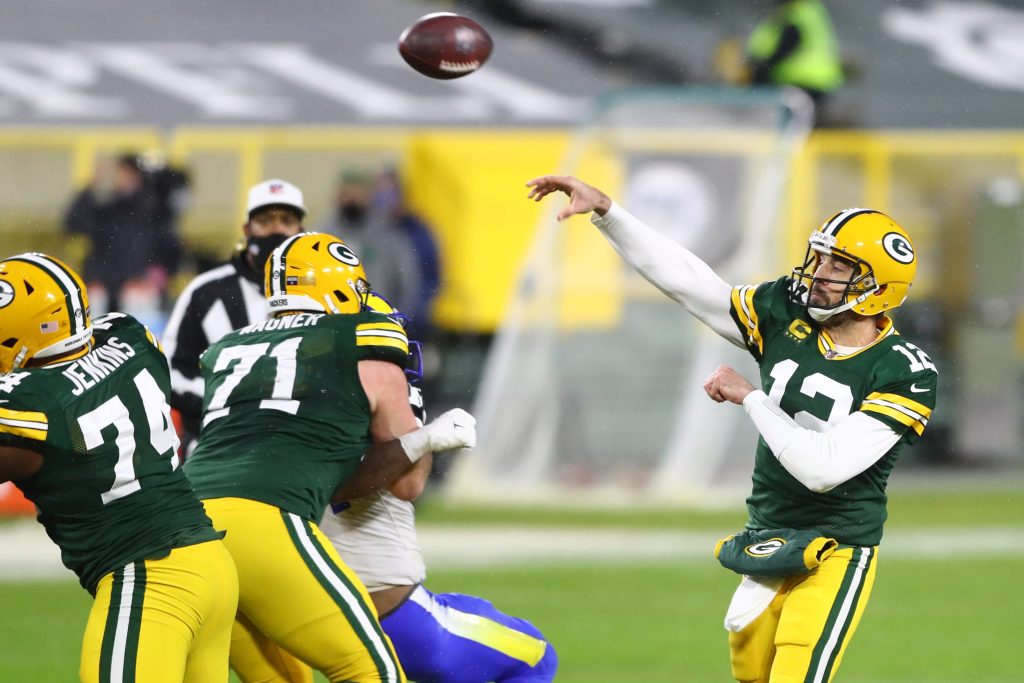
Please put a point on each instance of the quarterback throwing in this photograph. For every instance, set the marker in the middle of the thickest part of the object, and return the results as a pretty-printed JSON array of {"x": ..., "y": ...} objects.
[{"x": 843, "y": 393}]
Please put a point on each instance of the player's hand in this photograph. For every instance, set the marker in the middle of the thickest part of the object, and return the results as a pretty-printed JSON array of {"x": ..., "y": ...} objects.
[
  {"x": 453, "y": 429},
  {"x": 725, "y": 384},
  {"x": 583, "y": 198}
]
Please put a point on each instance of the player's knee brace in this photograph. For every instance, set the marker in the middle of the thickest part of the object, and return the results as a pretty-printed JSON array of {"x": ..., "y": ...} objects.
[{"x": 453, "y": 638}]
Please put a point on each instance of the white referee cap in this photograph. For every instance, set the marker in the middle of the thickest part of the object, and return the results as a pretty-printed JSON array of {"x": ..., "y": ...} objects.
[{"x": 275, "y": 192}]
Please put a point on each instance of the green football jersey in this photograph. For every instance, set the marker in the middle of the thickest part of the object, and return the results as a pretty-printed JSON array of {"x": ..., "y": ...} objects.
[
  {"x": 803, "y": 372},
  {"x": 109, "y": 491},
  {"x": 285, "y": 418}
]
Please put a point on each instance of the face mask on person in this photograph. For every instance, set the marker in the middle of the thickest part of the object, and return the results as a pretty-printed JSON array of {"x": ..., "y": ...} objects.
[
  {"x": 351, "y": 213},
  {"x": 260, "y": 248}
]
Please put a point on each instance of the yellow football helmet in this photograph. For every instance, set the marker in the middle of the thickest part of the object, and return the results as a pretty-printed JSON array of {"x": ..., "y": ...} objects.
[
  {"x": 315, "y": 272},
  {"x": 44, "y": 310},
  {"x": 883, "y": 258}
]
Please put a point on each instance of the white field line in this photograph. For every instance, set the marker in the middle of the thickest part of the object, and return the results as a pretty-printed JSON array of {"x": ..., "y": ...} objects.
[{"x": 27, "y": 553}]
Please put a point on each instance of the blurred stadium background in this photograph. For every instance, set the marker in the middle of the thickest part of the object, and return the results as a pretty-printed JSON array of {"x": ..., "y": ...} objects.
[{"x": 601, "y": 483}]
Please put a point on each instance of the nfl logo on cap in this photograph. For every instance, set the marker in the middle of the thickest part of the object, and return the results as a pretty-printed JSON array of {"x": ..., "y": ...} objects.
[{"x": 275, "y": 192}]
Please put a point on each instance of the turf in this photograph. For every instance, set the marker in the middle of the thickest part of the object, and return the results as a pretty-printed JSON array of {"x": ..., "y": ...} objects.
[
  {"x": 945, "y": 505},
  {"x": 930, "y": 620},
  {"x": 933, "y": 621}
]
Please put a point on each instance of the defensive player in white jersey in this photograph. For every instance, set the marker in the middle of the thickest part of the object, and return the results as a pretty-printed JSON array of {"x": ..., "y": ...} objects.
[
  {"x": 439, "y": 637},
  {"x": 843, "y": 393}
]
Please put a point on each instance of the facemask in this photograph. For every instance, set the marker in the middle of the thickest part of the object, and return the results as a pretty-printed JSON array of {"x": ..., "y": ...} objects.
[
  {"x": 260, "y": 248},
  {"x": 351, "y": 213}
]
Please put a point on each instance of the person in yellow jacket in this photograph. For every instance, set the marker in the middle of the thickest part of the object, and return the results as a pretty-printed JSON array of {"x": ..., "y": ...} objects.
[{"x": 796, "y": 45}]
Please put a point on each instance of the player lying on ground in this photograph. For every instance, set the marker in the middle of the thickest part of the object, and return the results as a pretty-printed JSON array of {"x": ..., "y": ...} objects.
[{"x": 844, "y": 392}]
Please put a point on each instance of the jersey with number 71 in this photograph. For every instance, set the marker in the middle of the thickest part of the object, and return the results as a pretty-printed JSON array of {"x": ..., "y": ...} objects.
[
  {"x": 285, "y": 418},
  {"x": 109, "y": 491},
  {"x": 816, "y": 384}
]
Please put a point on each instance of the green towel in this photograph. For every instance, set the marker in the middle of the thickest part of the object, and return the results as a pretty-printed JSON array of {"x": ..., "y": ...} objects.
[{"x": 774, "y": 552}]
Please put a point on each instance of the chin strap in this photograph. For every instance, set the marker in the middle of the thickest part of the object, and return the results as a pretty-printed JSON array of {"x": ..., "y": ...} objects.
[{"x": 822, "y": 314}]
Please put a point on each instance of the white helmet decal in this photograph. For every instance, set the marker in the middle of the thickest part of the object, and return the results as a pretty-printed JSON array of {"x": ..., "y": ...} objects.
[
  {"x": 6, "y": 293},
  {"x": 341, "y": 252},
  {"x": 898, "y": 247}
]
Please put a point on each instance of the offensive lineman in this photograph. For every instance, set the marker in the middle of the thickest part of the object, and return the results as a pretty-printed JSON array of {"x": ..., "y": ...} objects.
[
  {"x": 845, "y": 393},
  {"x": 86, "y": 434},
  {"x": 291, "y": 405}
]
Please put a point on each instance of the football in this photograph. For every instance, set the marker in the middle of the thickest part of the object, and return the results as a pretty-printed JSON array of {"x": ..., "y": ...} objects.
[{"x": 445, "y": 45}]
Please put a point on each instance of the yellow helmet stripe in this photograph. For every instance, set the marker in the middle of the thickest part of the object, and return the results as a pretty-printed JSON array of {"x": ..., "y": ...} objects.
[{"x": 72, "y": 296}]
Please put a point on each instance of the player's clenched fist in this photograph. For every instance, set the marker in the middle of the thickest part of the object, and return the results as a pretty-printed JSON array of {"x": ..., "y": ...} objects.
[
  {"x": 725, "y": 384},
  {"x": 453, "y": 429}
]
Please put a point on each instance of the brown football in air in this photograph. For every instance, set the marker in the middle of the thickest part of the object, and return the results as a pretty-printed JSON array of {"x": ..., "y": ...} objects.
[{"x": 445, "y": 45}]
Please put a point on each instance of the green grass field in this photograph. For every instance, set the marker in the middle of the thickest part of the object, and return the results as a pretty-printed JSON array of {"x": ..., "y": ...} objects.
[{"x": 931, "y": 620}]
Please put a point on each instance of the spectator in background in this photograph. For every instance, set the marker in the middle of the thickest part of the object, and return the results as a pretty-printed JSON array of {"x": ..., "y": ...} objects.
[
  {"x": 169, "y": 189},
  {"x": 389, "y": 198},
  {"x": 796, "y": 45},
  {"x": 129, "y": 212},
  {"x": 115, "y": 213},
  {"x": 367, "y": 221}
]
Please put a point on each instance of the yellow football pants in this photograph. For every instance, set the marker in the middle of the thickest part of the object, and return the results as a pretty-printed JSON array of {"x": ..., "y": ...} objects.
[
  {"x": 163, "y": 621},
  {"x": 297, "y": 592},
  {"x": 802, "y": 635}
]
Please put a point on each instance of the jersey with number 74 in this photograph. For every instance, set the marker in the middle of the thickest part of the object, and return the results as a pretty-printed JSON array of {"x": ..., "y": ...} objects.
[
  {"x": 110, "y": 490},
  {"x": 285, "y": 418},
  {"x": 817, "y": 384}
]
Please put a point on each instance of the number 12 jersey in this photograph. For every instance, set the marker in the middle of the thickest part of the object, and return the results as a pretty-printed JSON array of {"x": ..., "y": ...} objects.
[{"x": 817, "y": 384}]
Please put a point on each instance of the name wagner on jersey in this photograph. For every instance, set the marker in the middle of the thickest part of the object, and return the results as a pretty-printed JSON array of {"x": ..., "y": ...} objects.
[{"x": 284, "y": 322}]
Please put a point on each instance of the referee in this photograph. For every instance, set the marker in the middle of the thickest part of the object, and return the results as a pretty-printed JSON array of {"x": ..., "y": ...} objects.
[{"x": 227, "y": 297}]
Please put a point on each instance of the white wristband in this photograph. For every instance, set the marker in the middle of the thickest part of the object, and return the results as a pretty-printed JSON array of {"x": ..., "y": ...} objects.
[{"x": 416, "y": 444}]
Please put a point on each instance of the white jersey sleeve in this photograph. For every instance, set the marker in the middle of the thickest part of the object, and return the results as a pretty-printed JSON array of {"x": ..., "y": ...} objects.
[
  {"x": 673, "y": 269},
  {"x": 820, "y": 461},
  {"x": 376, "y": 537}
]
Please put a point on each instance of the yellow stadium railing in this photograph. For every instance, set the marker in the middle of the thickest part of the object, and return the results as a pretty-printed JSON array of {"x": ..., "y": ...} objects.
[{"x": 468, "y": 184}]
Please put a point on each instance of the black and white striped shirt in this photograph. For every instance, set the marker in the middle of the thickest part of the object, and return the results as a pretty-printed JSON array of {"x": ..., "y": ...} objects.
[{"x": 214, "y": 303}]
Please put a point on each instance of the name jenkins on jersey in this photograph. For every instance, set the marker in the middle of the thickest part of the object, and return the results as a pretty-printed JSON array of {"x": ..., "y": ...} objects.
[
  {"x": 109, "y": 491},
  {"x": 803, "y": 372},
  {"x": 285, "y": 417}
]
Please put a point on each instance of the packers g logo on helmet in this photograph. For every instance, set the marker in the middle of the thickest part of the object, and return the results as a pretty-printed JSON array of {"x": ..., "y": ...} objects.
[
  {"x": 315, "y": 272},
  {"x": 340, "y": 251},
  {"x": 897, "y": 246},
  {"x": 44, "y": 310},
  {"x": 882, "y": 255},
  {"x": 6, "y": 293}
]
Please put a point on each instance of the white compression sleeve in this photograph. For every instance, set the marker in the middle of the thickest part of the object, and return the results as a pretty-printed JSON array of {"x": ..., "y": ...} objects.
[
  {"x": 820, "y": 460},
  {"x": 672, "y": 268}
]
